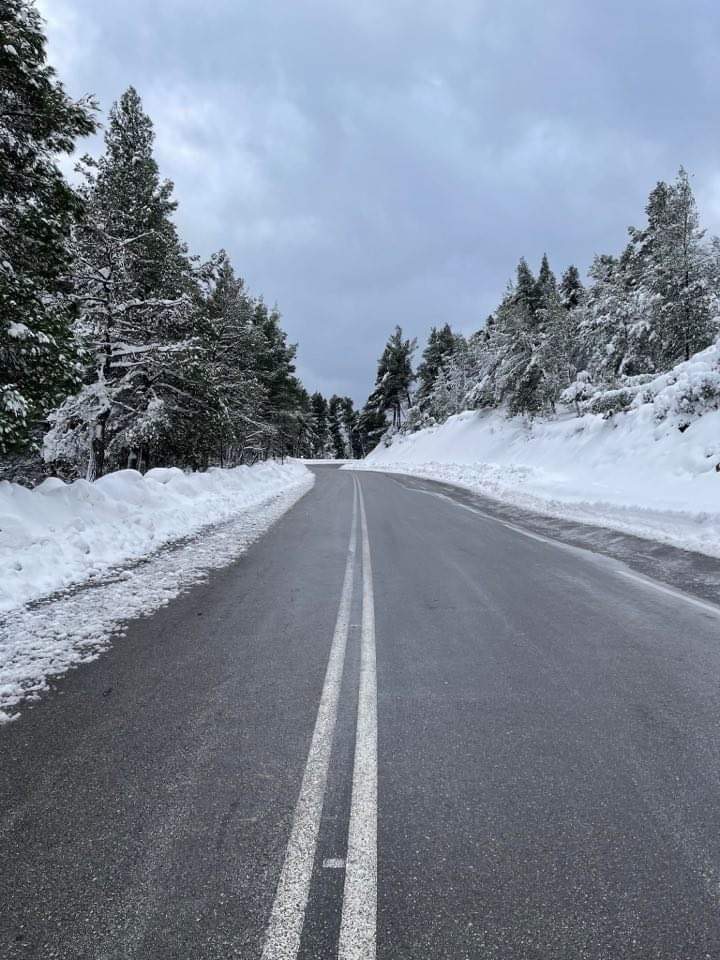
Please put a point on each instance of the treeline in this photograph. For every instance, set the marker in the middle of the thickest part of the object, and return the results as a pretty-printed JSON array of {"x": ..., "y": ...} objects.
[
  {"x": 117, "y": 346},
  {"x": 556, "y": 342}
]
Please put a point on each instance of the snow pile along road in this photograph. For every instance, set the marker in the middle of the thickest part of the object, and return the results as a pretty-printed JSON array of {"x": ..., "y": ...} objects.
[
  {"x": 61, "y": 534},
  {"x": 650, "y": 470}
]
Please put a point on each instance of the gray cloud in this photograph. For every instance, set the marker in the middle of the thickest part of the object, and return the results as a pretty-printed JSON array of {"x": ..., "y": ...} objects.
[{"x": 389, "y": 161}]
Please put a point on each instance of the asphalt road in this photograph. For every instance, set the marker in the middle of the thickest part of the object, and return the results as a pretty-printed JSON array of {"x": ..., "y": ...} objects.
[{"x": 399, "y": 726}]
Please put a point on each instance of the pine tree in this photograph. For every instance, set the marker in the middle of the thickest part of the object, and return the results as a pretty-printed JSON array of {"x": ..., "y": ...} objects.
[
  {"x": 440, "y": 346},
  {"x": 571, "y": 288},
  {"x": 339, "y": 444},
  {"x": 223, "y": 416},
  {"x": 320, "y": 419},
  {"x": 132, "y": 285},
  {"x": 394, "y": 377},
  {"x": 526, "y": 289},
  {"x": 38, "y": 121},
  {"x": 677, "y": 269},
  {"x": 287, "y": 412},
  {"x": 546, "y": 286},
  {"x": 372, "y": 424},
  {"x": 615, "y": 327}
]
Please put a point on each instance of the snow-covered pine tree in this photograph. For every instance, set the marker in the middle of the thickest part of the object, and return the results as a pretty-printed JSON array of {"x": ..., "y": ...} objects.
[
  {"x": 132, "y": 288},
  {"x": 571, "y": 288},
  {"x": 350, "y": 422},
  {"x": 615, "y": 323},
  {"x": 513, "y": 348},
  {"x": 546, "y": 286},
  {"x": 672, "y": 262},
  {"x": 38, "y": 365},
  {"x": 338, "y": 441},
  {"x": 319, "y": 407},
  {"x": 452, "y": 383},
  {"x": 222, "y": 421},
  {"x": 395, "y": 377},
  {"x": 440, "y": 346}
]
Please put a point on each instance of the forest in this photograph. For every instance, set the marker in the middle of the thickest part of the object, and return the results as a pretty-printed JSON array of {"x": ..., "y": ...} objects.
[
  {"x": 119, "y": 347},
  {"x": 554, "y": 345}
]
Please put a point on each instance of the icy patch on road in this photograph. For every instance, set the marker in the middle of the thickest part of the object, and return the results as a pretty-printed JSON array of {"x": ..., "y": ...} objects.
[{"x": 50, "y": 637}]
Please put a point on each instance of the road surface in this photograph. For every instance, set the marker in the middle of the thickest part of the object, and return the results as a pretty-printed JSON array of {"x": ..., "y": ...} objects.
[{"x": 398, "y": 727}]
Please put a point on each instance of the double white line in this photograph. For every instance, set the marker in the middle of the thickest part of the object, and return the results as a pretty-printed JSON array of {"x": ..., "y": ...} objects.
[{"x": 358, "y": 924}]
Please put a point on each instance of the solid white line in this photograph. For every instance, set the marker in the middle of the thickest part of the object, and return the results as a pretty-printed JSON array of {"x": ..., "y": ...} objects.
[
  {"x": 282, "y": 939},
  {"x": 706, "y": 606},
  {"x": 359, "y": 915},
  {"x": 616, "y": 566}
]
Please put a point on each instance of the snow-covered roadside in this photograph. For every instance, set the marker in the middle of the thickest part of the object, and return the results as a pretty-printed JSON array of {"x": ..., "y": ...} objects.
[
  {"x": 61, "y": 534},
  {"x": 322, "y": 462},
  {"x": 630, "y": 473},
  {"x": 47, "y": 638}
]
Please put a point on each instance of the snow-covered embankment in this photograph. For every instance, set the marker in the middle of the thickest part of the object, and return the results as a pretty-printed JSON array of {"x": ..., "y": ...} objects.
[
  {"x": 63, "y": 534},
  {"x": 651, "y": 470},
  {"x": 60, "y": 534}
]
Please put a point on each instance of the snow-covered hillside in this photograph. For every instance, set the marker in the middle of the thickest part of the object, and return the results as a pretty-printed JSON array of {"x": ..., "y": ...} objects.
[
  {"x": 61, "y": 534},
  {"x": 651, "y": 470}
]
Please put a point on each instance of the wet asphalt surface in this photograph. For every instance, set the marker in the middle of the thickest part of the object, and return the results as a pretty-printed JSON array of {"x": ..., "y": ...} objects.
[{"x": 548, "y": 748}]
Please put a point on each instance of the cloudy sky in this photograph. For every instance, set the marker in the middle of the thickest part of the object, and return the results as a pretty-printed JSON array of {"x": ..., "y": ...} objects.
[{"x": 376, "y": 162}]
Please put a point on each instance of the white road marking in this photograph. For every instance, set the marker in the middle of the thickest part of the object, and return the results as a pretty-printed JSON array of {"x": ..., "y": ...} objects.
[
  {"x": 611, "y": 563},
  {"x": 676, "y": 594},
  {"x": 282, "y": 939},
  {"x": 359, "y": 915},
  {"x": 334, "y": 863}
]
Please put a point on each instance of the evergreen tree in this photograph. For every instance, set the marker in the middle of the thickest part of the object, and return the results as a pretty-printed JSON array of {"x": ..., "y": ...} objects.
[
  {"x": 222, "y": 419},
  {"x": 38, "y": 121},
  {"x": 372, "y": 424},
  {"x": 320, "y": 419},
  {"x": 677, "y": 271},
  {"x": 615, "y": 323},
  {"x": 351, "y": 426},
  {"x": 526, "y": 289},
  {"x": 440, "y": 346},
  {"x": 338, "y": 441},
  {"x": 571, "y": 288},
  {"x": 394, "y": 377},
  {"x": 287, "y": 412},
  {"x": 132, "y": 284},
  {"x": 546, "y": 286}
]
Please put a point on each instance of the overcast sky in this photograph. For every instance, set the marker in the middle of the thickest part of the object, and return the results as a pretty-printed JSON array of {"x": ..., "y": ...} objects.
[{"x": 376, "y": 162}]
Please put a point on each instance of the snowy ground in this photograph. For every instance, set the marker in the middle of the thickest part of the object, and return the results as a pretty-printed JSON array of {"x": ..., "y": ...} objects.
[
  {"x": 86, "y": 537},
  {"x": 631, "y": 473},
  {"x": 323, "y": 462},
  {"x": 61, "y": 534}
]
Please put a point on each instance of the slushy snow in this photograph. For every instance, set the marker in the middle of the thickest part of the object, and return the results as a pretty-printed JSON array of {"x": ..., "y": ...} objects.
[{"x": 44, "y": 639}]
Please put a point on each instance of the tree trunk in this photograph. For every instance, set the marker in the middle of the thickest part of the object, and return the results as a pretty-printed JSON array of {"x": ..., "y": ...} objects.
[{"x": 96, "y": 463}]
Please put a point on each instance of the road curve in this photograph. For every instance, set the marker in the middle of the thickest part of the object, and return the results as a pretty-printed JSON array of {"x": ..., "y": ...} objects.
[{"x": 397, "y": 727}]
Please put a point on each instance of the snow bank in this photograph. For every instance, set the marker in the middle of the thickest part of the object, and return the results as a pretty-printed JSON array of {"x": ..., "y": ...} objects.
[
  {"x": 650, "y": 471},
  {"x": 61, "y": 534}
]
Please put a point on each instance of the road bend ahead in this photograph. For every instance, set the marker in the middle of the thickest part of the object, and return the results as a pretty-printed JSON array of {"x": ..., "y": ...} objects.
[{"x": 396, "y": 727}]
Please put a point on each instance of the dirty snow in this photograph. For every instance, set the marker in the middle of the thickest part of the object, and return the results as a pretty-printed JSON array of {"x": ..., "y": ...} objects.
[
  {"x": 61, "y": 534},
  {"x": 44, "y": 639}
]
